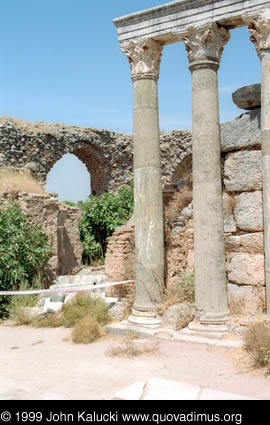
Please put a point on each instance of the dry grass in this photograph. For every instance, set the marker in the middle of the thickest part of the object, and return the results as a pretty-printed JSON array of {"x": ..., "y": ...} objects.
[
  {"x": 51, "y": 321},
  {"x": 86, "y": 330},
  {"x": 181, "y": 291},
  {"x": 181, "y": 199},
  {"x": 257, "y": 343},
  {"x": 236, "y": 305},
  {"x": 18, "y": 181},
  {"x": 18, "y": 308},
  {"x": 129, "y": 348}
]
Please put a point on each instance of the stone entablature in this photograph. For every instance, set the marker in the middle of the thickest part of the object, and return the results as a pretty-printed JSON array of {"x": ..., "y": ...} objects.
[{"x": 163, "y": 22}]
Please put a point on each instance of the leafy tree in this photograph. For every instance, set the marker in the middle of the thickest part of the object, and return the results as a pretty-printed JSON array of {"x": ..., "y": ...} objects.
[
  {"x": 100, "y": 217},
  {"x": 24, "y": 252}
]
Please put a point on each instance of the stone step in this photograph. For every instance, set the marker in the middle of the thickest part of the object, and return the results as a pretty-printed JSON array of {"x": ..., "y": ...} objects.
[{"x": 165, "y": 389}]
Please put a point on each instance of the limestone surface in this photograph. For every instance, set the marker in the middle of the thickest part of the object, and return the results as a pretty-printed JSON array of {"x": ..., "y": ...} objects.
[
  {"x": 251, "y": 243},
  {"x": 247, "y": 269},
  {"x": 243, "y": 171},
  {"x": 248, "y": 97},
  {"x": 242, "y": 133},
  {"x": 248, "y": 211}
]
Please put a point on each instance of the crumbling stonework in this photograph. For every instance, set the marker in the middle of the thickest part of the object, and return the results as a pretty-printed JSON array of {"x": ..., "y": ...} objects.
[
  {"x": 120, "y": 253},
  {"x": 60, "y": 223},
  {"x": 108, "y": 156}
]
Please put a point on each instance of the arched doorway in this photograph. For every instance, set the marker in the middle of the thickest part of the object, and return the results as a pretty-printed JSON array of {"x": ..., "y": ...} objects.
[{"x": 69, "y": 178}]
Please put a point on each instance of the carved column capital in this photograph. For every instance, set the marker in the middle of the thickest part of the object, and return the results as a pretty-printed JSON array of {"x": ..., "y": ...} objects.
[
  {"x": 205, "y": 44},
  {"x": 259, "y": 28},
  {"x": 144, "y": 58}
]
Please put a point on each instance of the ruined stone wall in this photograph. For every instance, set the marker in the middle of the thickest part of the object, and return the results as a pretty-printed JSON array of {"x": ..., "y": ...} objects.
[
  {"x": 108, "y": 156},
  {"x": 60, "y": 223},
  {"x": 243, "y": 218}
]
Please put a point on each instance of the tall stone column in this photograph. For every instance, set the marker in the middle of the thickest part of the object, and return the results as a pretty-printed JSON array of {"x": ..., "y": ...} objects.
[
  {"x": 144, "y": 58},
  {"x": 204, "y": 49},
  {"x": 259, "y": 27}
]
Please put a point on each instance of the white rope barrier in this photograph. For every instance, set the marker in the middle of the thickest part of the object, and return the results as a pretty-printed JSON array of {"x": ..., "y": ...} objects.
[{"x": 68, "y": 289}]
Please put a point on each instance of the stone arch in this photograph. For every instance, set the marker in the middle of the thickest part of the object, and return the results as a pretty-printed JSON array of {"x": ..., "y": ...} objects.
[
  {"x": 97, "y": 165},
  {"x": 183, "y": 172},
  {"x": 94, "y": 160}
]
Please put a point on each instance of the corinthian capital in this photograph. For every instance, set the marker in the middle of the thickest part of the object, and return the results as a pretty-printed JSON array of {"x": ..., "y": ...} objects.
[
  {"x": 205, "y": 44},
  {"x": 259, "y": 28},
  {"x": 144, "y": 57}
]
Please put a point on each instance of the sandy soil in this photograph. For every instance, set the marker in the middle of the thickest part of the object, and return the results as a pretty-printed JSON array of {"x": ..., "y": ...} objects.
[{"x": 43, "y": 364}]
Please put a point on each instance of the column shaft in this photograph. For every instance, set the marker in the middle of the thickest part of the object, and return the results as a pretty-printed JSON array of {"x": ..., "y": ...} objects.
[
  {"x": 265, "y": 127},
  {"x": 144, "y": 57},
  {"x": 210, "y": 269},
  {"x": 205, "y": 47},
  {"x": 149, "y": 238}
]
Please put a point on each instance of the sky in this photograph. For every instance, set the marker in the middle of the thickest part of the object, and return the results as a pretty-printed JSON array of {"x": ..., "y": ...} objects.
[{"x": 60, "y": 62}]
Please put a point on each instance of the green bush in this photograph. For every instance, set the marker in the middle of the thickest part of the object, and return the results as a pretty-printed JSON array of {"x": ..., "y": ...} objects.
[
  {"x": 80, "y": 306},
  {"x": 100, "y": 217},
  {"x": 24, "y": 252}
]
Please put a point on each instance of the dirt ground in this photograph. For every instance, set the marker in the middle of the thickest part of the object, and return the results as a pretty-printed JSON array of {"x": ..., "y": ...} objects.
[{"x": 44, "y": 364}]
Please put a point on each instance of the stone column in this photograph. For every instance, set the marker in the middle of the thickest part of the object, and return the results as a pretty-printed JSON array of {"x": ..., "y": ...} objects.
[
  {"x": 204, "y": 49},
  {"x": 144, "y": 58},
  {"x": 259, "y": 27}
]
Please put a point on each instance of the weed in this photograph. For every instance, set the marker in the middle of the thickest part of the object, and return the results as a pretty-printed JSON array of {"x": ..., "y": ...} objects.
[
  {"x": 181, "y": 199},
  {"x": 131, "y": 349},
  {"x": 183, "y": 290},
  {"x": 52, "y": 321},
  {"x": 236, "y": 305},
  {"x": 257, "y": 343},
  {"x": 80, "y": 306},
  {"x": 86, "y": 330},
  {"x": 18, "y": 308}
]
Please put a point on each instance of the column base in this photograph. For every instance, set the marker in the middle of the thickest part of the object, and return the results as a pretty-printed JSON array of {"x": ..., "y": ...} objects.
[
  {"x": 206, "y": 330},
  {"x": 149, "y": 319}
]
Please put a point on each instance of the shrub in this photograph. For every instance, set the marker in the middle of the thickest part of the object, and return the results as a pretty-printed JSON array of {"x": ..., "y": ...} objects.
[
  {"x": 70, "y": 203},
  {"x": 17, "y": 308},
  {"x": 100, "y": 217},
  {"x": 82, "y": 305},
  {"x": 51, "y": 321},
  {"x": 24, "y": 252},
  {"x": 257, "y": 343},
  {"x": 86, "y": 330}
]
